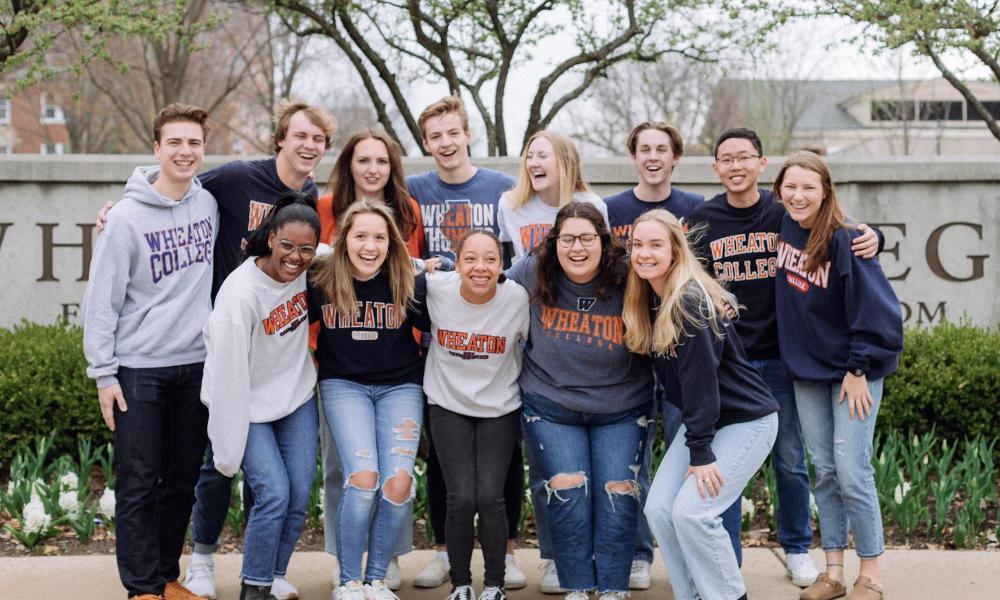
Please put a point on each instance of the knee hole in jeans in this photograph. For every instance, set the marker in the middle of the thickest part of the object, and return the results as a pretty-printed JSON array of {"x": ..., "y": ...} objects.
[
  {"x": 397, "y": 489},
  {"x": 363, "y": 480},
  {"x": 408, "y": 430},
  {"x": 565, "y": 481}
]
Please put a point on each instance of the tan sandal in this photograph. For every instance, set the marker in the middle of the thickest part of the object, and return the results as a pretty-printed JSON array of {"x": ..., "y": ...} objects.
[
  {"x": 824, "y": 588},
  {"x": 864, "y": 589}
]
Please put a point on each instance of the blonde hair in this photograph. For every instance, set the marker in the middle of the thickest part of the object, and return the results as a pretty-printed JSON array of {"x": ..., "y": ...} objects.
[
  {"x": 332, "y": 273},
  {"x": 448, "y": 104},
  {"x": 568, "y": 163},
  {"x": 686, "y": 281}
]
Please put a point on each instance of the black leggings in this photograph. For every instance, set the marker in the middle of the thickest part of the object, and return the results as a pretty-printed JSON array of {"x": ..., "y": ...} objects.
[{"x": 475, "y": 456}]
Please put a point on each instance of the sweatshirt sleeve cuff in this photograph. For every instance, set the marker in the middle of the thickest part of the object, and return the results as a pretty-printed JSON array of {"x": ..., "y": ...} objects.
[
  {"x": 858, "y": 364},
  {"x": 702, "y": 456},
  {"x": 106, "y": 380}
]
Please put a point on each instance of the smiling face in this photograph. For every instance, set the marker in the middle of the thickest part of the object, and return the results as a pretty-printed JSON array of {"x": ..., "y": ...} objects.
[
  {"x": 447, "y": 141},
  {"x": 293, "y": 247},
  {"x": 738, "y": 165},
  {"x": 542, "y": 167},
  {"x": 652, "y": 254},
  {"x": 654, "y": 158},
  {"x": 802, "y": 193},
  {"x": 479, "y": 266},
  {"x": 367, "y": 245},
  {"x": 304, "y": 145},
  {"x": 180, "y": 150},
  {"x": 370, "y": 168},
  {"x": 579, "y": 262}
]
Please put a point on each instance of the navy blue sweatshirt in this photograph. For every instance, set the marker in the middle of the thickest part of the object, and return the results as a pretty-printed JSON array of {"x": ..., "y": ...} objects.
[
  {"x": 840, "y": 318},
  {"x": 625, "y": 208},
  {"x": 377, "y": 346},
  {"x": 246, "y": 190},
  {"x": 711, "y": 381}
]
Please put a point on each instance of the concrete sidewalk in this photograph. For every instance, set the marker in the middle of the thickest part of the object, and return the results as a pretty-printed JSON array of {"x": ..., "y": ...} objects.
[{"x": 909, "y": 574}]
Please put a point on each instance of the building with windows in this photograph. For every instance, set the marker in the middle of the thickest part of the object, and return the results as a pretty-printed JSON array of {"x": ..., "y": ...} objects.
[
  {"x": 33, "y": 122},
  {"x": 860, "y": 117}
]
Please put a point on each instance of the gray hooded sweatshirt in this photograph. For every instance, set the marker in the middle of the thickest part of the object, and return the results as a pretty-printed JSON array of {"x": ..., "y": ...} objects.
[{"x": 149, "y": 293}]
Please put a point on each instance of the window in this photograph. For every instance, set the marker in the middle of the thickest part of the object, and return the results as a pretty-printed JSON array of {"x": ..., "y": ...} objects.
[
  {"x": 4, "y": 109},
  {"x": 6, "y": 149},
  {"x": 941, "y": 111},
  {"x": 893, "y": 110},
  {"x": 53, "y": 148},
  {"x": 51, "y": 111},
  {"x": 992, "y": 107}
]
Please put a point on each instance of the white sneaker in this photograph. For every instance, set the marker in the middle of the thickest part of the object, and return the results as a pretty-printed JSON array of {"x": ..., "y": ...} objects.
[
  {"x": 550, "y": 579},
  {"x": 282, "y": 590},
  {"x": 200, "y": 578},
  {"x": 614, "y": 595},
  {"x": 336, "y": 573},
  {"x": 577, "y": 595},
  {"x": 493, "y": 593},
  {"x": 513, "y": 577},
  {"x": 377, "y": 590},
  {"x": 801, "y": 569},
  {"x": 638, "y": 578},
  {"x": 354, "y": 590},
  {"x": 393, "y": 578},
  {"x": 462, "y": 592},
  {"x": 432, "y": 575}
]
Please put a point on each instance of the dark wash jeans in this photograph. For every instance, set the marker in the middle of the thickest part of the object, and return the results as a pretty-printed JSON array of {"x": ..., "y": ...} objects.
[
  {"x": 475, "y": 455},
  {"x": 159, "y": 442}
]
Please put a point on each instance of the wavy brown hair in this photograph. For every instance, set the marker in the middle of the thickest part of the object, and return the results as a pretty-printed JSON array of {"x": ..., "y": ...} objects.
[
  {"x": 611, "y": 272},
  {"x": 830, "y": 217},
  {"x": 332, "y": 273},
  {"x": 397, "y": 197}
]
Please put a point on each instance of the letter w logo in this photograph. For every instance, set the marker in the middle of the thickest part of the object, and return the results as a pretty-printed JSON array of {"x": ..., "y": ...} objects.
[{"x": 585, "y": 304}]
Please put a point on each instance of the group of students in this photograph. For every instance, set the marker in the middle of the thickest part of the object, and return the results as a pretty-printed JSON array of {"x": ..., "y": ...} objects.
[{"x": 485, "y": 309}]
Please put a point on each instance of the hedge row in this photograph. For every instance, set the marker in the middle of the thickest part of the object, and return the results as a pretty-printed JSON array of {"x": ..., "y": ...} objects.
[{"x": 949, "y": 379}]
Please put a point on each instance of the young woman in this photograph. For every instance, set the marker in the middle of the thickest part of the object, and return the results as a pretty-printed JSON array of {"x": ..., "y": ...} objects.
[
  {"x": 549, "y": 179},
  {"x": 585, "y": 401},
  {"x": 841, "y": 333},
  {"x": 367, "y": 301},
  {"x": 258, "y": 387},
  {"x": 675, "y": 311},
  {"x": 478, "y": 321}
]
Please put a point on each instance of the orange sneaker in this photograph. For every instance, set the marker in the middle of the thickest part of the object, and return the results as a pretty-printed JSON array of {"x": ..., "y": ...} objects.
[
  {"x": 176, "y": 591},
  {"x": 146, "y": 597}
]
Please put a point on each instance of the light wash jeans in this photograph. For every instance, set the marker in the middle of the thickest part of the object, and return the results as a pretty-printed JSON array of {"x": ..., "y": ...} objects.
[
  {"x": 279, "y": 464},
  {"x": 696, "y": 548},
  {"x": 333, "y": 491},
  {"x": 377, "y": 429},
  {"x": 841, "y": 450}
]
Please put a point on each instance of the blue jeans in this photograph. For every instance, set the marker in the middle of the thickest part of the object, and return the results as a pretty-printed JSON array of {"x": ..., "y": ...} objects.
[
  {"x": 593, "y": 534},
  {"x": 789, "y": 457},
  {"x": 841, "y": 450},
  {"x": 159, "y": 441},
  {"x": 333, "y": 491},
  {"x": 212, "y": 496},
  {"x": 696, "y": 548},
  {"x": 279, "y": 464},
  {"x": 377, "y": 430}
]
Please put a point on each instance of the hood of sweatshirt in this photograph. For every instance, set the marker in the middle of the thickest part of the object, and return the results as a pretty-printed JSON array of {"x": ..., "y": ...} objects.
[{"x": 140, "y": 188}]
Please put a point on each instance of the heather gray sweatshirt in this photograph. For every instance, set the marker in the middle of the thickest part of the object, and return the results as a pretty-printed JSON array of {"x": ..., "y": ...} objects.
[{"x": 150, "y": 280}]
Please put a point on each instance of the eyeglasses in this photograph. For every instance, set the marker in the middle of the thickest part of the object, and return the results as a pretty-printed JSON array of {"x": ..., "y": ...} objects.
[
  {"x": 587, "y": 240},
  {"x": 305, "y": 252},
  {"x": 728, "y": 161}
]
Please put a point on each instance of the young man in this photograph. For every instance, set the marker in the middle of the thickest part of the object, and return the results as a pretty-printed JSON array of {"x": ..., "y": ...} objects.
[
  {"x": 245, "y": 192},
  {"x": 739, "y": 241},
  {"x": 655, "y": 148},
  {"x": 455, "y": 197},
  {"x": 146, "y": 302}
]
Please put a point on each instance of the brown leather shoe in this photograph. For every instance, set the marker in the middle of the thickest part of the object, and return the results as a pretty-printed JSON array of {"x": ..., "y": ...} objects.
[
  {"x": 864, "y": 589},
  {"x": 146, "y": 597},
  {"x": 823, "y": 589},
  {"x": 176, "y": 591}
]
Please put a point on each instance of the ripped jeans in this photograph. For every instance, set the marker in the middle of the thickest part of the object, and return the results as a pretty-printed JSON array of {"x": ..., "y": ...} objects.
[
  {"x": 591, "y": 464},
  {"x": 377, "y": 430}
]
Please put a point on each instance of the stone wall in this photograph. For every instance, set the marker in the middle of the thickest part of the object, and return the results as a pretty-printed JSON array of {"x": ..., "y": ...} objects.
[{"x": 941, "y": 218}]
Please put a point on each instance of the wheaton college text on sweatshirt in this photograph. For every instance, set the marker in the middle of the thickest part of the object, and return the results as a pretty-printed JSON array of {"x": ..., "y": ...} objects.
[{"x": 258, "y": 367}]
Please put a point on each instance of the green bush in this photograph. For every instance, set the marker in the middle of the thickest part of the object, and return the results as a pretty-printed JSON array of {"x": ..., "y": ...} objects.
[
  {"x": 949, "y": 379},
  {"x": 44, "y": 388}
]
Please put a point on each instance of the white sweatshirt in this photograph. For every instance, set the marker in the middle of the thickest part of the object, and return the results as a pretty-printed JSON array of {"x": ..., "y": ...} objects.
[
  {"x": 475, "y": 355},
  {"x": 258, "y": 368}
]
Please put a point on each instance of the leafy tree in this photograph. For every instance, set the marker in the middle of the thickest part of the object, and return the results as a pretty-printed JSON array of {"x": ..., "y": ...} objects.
[
  {"x": 936, "y": 29},
  {"x": 474, "y": 45}
]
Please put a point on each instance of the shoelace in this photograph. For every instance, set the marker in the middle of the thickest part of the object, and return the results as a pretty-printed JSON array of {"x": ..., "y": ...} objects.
[
  {"x": 492, "y": 593},
  {"x": 380, "y": 592},
  {"x": 462, "y": 592}
]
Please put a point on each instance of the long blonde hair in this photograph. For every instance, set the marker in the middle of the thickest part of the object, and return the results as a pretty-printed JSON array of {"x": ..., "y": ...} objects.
[
  {"x": 567, "y": 161},
  {"x": 686, "y": 279},
  {"x": 332, "y": 273}
]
